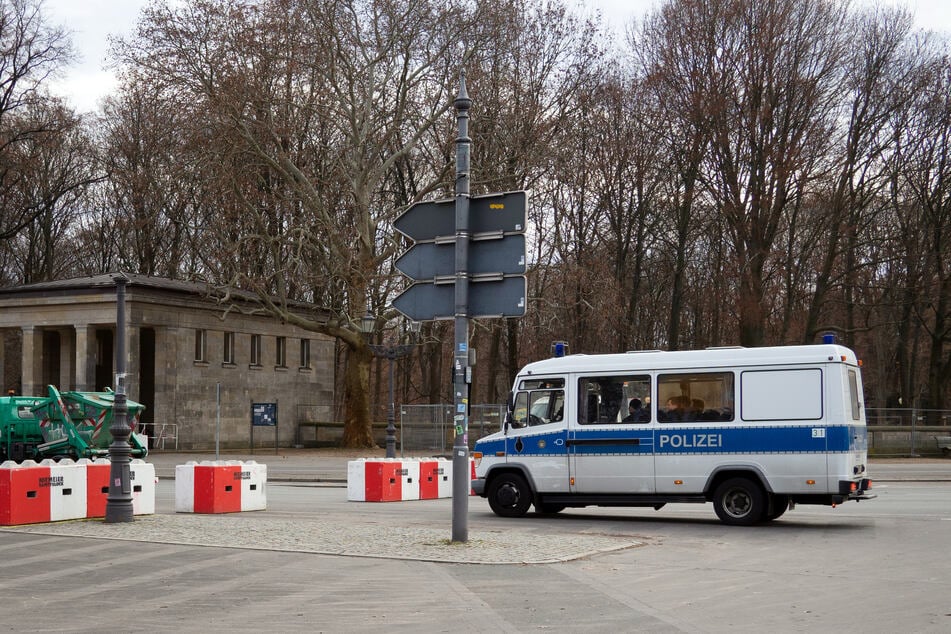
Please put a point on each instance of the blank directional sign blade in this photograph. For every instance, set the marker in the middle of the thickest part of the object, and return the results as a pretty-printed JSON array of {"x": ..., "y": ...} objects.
[
  {"x": 505, "y": 256},
  {"x": 498, "y": 212},
  {"x": 491, "y": 298},
  {"x": 428, "y": 220},
  {"x": 427, "y": 260},
  {"x": 498, "y": 298},
  {"x": 427, "y": 301}
]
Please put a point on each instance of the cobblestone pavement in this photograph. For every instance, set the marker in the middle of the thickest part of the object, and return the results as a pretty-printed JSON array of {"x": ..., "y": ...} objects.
[{"x": 265, "y": 530}]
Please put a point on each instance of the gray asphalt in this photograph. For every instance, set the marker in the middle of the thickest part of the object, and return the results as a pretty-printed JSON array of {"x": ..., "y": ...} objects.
[
  {"x": 330, "y": 465},
  {"x": 316, "y": 562}
]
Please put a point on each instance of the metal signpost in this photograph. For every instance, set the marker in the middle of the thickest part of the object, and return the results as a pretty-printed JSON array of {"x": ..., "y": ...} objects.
[{"x": 467, "y": 261}]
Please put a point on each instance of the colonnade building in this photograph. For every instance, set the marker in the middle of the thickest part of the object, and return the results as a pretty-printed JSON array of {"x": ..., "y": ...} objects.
[{"x": 186, "y": 353}]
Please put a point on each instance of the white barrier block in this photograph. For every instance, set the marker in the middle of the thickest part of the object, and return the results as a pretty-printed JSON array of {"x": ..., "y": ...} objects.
[
  {"x": 445, "y": 481},
  {"x": 357, "y": 480},
  {"x": 253, "y": 486},
  {"x": 143, "y": 487},
  {"x": 185, "y": 487},
  {"x": 410, "y": 479},
  {"x": 67, "y": 484}
]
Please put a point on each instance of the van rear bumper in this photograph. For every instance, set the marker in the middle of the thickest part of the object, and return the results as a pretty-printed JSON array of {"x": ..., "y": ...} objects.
[
  {"x": 478, "y": 486},
  {"x": 856, "y": 489}
]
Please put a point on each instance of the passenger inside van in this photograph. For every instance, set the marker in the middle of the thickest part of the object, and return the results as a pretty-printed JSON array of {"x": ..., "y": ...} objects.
[
  {"x": 636, "y": 412},
  {"x": 675, "y": 410}
]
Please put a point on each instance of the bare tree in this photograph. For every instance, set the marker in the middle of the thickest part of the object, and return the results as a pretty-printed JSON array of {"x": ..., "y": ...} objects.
[
  {"x": 880, "y": 78},
  {"x": 774, "y": 116},
  {"x": 58, "y": 172},
  {"x": 150, "y": 202},
  {"x": 30, "y": 52},
  {"x": 927, "y": 178},
  {"x": 313, "y": 106}
]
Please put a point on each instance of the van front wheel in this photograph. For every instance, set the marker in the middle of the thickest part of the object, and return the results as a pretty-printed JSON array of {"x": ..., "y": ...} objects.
[
  {"x": 509, "y": 495},
  {"x": 740, "y": 502}
]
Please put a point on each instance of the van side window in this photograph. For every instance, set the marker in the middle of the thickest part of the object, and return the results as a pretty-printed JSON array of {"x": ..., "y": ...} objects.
[
  {"x": 614, "y": 399},
  {"x": 539, "y": 402},
  {"x": 793, "y": 394},
  {"x": 854, "y": 394},
  {"x": 695, "y": 396}
]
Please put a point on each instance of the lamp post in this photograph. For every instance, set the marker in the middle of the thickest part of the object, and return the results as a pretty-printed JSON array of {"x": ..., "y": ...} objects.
[
  {"x": 391, "y": 353},
  {"x": 119, "y": 499}
]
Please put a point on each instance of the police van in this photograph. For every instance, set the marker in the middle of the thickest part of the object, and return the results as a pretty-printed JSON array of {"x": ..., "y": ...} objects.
[{"x": 755, "y": 431}]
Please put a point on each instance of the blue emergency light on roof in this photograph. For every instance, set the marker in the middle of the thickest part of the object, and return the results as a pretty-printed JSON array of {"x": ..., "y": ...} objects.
[
  {"x": 559, "y": 348},
  {"x": 828, "y": 337}
]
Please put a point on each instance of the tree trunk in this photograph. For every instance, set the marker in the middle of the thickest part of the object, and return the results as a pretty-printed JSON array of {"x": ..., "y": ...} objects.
[{"x": 357, "y": 429}]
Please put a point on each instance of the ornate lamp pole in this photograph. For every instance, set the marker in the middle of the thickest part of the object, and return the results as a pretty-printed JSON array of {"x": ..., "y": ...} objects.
[
  {"x": 119, "y": 499},
  {"x": 391, "y": 353}
]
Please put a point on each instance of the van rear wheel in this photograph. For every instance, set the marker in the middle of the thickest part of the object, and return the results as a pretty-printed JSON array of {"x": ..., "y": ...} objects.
[
  {"x": 740, "y": 502},
  {"x": 779, "y": 505},
  {"x": 509, "y": 495}
]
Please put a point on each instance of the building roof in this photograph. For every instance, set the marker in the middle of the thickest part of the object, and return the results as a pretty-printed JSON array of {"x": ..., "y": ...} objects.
[
  {"x": 97, "y": 284},
  {"x": 108, "y": 280}
]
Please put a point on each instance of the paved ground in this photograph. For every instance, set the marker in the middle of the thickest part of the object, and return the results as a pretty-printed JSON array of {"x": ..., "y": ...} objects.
[
  {"x": 316, "y": 562},
  {"x": 365, "y": 535},
  {"x": 330, "y": 465}
]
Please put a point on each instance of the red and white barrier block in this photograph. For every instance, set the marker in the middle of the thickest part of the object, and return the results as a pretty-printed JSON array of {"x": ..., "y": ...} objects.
[
  {"x": 220, "y": 486},
  {"x": 51, "y": 491},
  {"x": 395, "y": 480},
  {"x": 142, "y": 481}
]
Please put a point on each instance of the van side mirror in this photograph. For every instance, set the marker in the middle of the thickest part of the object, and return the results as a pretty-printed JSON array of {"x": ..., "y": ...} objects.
[{"x": 509, "y": 407}]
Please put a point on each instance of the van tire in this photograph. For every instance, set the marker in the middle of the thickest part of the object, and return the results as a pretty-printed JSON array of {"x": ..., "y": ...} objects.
[
  {"x": 780, "y": 503},
  {"x": 509, "y": 495},
  {"x": 740, "y": 502}
]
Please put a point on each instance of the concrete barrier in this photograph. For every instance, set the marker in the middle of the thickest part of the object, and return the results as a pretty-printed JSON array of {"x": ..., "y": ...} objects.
[
  {"x": 253, "y": 486},
  {"x": 51, "y": 491},
  {"x": 218, "y": 486},
  {"x": 67, "y": 485},
  {"x": 143, "y": 487},
  {"x": 392, "y": 480},
  {"x": 24, "y": 493}
]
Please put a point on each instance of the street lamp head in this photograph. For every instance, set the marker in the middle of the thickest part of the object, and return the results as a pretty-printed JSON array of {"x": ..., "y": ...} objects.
[{"x": 367, "y": 323}]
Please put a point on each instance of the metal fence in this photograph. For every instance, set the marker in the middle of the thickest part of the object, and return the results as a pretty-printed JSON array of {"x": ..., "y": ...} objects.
[
  {"x": 429, "y": 428},
  {"x": 897, "y": 431}
]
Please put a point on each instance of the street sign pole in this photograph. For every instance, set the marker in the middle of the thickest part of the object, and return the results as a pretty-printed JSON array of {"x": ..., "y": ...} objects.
[
  {"x": 461, "y": 373},
  {"x": 467, "y": 261}
]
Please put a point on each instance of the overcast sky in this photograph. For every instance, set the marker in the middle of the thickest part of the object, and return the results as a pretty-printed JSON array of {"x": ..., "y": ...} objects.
[{"x": 92, "y": 21}]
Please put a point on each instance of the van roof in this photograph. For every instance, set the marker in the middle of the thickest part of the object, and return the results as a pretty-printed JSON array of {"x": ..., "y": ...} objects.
[{"x": 722, "y": 357}]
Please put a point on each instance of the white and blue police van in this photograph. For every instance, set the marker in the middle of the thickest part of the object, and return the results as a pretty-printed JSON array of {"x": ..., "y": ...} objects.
[{"x": 755, "y": 431}]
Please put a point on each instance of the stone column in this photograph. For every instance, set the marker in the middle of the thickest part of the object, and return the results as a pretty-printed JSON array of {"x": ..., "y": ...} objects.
[
  {"x": 3, "y": 362},
  {"x": 85, "y": 359},
  {"x": 32, "y": 368},
  {"x": 67, "y": 365},
  {"x": 167, "y": 342},
  {"x": 132, "y": 376}
]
